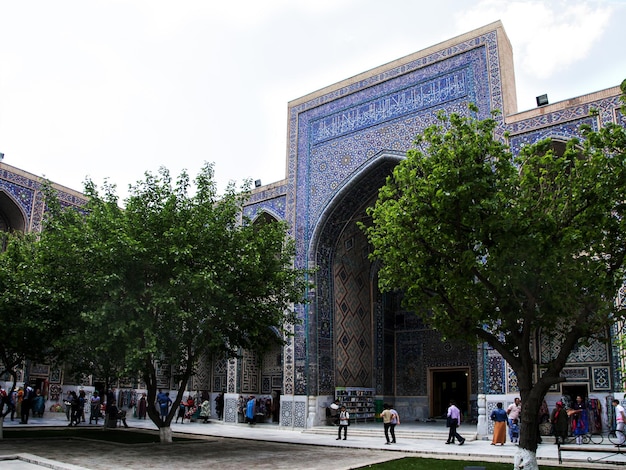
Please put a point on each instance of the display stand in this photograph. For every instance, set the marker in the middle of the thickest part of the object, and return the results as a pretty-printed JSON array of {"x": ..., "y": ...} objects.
[{"x": 358, "y": 401}]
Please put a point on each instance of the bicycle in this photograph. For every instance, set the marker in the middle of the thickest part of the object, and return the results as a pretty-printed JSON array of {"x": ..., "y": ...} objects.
[
  {"x": 617, "y": 437},
  {"x": 591, "y": 438},
  {"x": 588, "y": 438},
  {"x": 614, "y": 436}
]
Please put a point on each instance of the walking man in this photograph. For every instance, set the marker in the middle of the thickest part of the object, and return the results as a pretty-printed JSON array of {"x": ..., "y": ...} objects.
[
  {"x": 620, "y": 417},
  {"x": 390, "y": 419},
  {"x": 386, "y": 416},
  {"x": 453, "y": 421}
]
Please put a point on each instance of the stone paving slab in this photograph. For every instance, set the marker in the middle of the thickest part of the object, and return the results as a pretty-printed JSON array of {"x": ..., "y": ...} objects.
[{"x": 239, "y": 446}]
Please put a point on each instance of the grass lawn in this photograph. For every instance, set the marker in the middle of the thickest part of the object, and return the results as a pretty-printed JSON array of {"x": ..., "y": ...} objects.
[
  {"x": 416, "y": 463},
  {"x": 119, "y": 436}
]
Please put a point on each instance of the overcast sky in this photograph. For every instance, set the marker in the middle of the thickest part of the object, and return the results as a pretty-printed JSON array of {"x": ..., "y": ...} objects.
[{"x": 110, "y": 89}]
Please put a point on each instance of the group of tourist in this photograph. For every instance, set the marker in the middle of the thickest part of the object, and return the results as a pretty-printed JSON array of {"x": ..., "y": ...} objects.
[
  {"x": 340, "y": 416},
  {"x": 563, "y": 422},
  {"x": 502, "y": 418},
  {"x": 75, "y": 404},
  {"x": 21, "y": 402},
  {"x": 575, "y": 420},
  {"x": 187, "y": 409},
  {"x": 25, "y": 400},
  {"x": 75, "y": 407}
]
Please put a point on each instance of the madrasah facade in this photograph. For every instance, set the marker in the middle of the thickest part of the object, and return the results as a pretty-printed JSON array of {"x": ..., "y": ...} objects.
[{"x": 354, "y": 342}]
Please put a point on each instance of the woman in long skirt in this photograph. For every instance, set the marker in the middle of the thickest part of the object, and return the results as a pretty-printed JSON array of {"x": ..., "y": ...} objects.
[
  {"x": 580, "y": 425},
  {"x": 499, "y": 418},
  {"x": 560, "y": 423},
  {"x": 141, "y": 407}
]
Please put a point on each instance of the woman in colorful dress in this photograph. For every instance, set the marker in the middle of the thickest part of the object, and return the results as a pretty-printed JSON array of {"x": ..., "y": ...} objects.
[
  {"x": 499, "y": 418},
  {"x": 580, "y": 423}
]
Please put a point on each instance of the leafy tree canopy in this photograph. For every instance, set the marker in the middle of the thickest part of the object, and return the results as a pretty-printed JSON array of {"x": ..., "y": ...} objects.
[
  {"x": 29, "y": 318},
  {"x": 174, "y": 276},
  {"x": 497, "y": 247}
]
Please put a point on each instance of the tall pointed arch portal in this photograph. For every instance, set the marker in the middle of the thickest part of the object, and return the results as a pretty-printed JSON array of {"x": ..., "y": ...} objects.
[{"x": 363, "y": 338}]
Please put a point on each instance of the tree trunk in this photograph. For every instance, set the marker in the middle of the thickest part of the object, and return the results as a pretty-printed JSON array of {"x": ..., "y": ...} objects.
[
  {"x": 529, "y": 426},
  {"x": 525, "y": 460},
  {"x": 166, "y": 435}
]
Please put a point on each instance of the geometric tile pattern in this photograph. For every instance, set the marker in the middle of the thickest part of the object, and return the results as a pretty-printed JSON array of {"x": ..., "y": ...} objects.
[
  {"x": 593, "y": 351},
  {"x": 512, "y": 383},
  {"x": 353, "y": 320},
  {"x": 230, "y": 410},
  {"x": 232, "y": 377},
  {"x": 335, "y": 136},
  {"x": 163, "y": 375},
  {"x": 220, "y": 375},
  {"x": 618, "y": 362},
  {"x": 495, "y": 372},
  {"x": 601, "y": 378},
  {"x": 491, "y": 405},
  {"x": 25, "y": 193},
  {"x": 271, "y": 201},
  {"x": 293, "y": 412},
  {"x": 271, "y": 370},
  {"x": 575, "y": 373},
  {"x": 324, "y": 311},
  {"x": 288, "y": 362},
  {"x": 201, "y": 380},
  {"x": 250, "y": 373},
  {"x": 299, "y": 419}
]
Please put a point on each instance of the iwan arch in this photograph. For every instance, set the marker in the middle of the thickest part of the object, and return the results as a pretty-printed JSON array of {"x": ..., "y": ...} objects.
[{"x": 343, "y": 141}]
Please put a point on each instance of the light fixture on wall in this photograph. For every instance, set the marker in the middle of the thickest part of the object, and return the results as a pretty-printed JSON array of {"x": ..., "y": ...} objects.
[
  {"x": 542, "y": 100},
  {"x": 257, "y": 183}
]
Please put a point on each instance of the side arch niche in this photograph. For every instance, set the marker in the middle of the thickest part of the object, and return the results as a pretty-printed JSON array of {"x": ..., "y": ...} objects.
[
  {"x": 11, "y": 216},
  {"x": 269, "y": 362},
  {"x": 264, "y": 217}
]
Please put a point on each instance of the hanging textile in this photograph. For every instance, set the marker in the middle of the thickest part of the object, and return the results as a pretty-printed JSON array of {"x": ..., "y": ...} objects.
[{"x": 594, "y": 408}]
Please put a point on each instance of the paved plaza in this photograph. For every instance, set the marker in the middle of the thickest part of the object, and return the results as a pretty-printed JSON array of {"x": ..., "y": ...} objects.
[{"x": 267, "y": 446}]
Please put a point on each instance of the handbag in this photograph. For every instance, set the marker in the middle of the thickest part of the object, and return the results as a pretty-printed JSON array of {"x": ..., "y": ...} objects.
[{"x": 450, "y": 421}]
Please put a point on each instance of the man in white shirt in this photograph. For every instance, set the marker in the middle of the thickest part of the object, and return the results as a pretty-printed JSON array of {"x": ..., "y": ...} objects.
[
  {"x": 620, "y": 417},
  {"x": 513, "y": 412}
]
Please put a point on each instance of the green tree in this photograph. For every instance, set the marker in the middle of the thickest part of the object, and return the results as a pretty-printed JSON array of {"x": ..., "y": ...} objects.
[
  {"x": 174, "y": 277},
  {"x": 75, "y": 260},
  {"x": 29, "y": 319},
  {"x": 16, "y": 260},
  {"x": 496, "y": 248}
]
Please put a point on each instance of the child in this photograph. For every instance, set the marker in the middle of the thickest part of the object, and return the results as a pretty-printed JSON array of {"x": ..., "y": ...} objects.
[{"x": 515, "y": 431}]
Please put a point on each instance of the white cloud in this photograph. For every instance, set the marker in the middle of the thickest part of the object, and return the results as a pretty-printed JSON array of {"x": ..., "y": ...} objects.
[
  {"x": 112, "y": 88},
  {"x": 546, "y": 36}
]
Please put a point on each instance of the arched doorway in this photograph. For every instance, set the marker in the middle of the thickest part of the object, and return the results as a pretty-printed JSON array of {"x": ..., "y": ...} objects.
[{"x": 449, "y": 383}]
